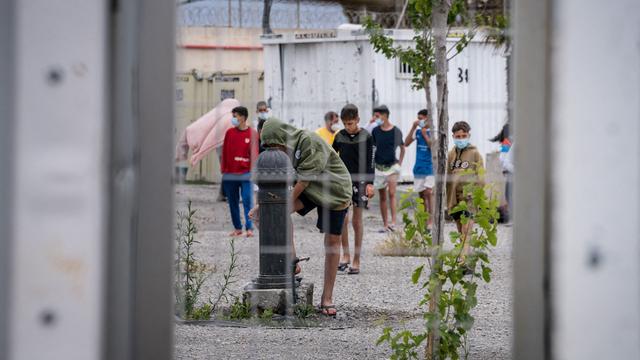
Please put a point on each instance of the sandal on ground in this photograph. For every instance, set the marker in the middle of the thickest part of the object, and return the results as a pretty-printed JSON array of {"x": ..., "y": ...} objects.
[
  {"x": 353, "y": 271},
  {"x": 343, "y": 266},
  {"x": 391, "y": 228},
  {"x": 235, "y": 233},
  {"x": 249, "y": 233},
  {"x": 328, "y": 310},
  {"x": 296, "y": 264}
]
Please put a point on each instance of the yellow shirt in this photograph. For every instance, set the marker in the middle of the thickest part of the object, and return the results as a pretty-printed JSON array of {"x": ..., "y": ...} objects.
[{"x": 326, "y": 135}]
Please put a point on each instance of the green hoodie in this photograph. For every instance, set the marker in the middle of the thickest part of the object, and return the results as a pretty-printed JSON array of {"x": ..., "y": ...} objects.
[{"x": 314, "y": 161}]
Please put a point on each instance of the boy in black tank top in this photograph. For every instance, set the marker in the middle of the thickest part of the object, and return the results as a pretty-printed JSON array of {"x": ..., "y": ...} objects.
[{"x": 355, "y": 147}]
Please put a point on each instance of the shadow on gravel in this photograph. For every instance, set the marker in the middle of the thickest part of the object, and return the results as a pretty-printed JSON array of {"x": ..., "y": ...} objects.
[{"x": 347, "y": 318}]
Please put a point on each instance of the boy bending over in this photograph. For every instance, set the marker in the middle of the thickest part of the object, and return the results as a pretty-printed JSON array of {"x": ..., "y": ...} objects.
[{"x": 322, "y": 183}]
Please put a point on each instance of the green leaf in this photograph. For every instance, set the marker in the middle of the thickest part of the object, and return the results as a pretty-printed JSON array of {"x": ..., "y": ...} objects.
[
  {"x": 462, "y": 206},
  {"x": 386, "y": 336},
  {"x": 486, "y": 273},
  {"x": 409, "y": 232},
  {"x": 483, "y": 256},
  {"x": 416, "y": 274},
  {"x": 492, "y": 238}
]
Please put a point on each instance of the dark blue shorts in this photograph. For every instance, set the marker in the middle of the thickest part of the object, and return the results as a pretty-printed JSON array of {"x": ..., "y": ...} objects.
[
  {"x": 457, "y": 215},
  {"x": 359, "y": 198},
  {"x": 329, "y": 221}
]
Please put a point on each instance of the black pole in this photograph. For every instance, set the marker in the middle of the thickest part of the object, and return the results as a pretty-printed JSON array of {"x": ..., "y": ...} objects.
[
  {"x": 266, "y": 17},
  {"x": 274, "y": 177}
]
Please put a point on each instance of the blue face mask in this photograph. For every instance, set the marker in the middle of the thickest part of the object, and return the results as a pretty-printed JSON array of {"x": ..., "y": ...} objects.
[
  {"x": 263, "y": 115},
  {"x": 461, "y": 143},
  {"x": 235, "y": 121},
  {"x": 422, "y": 123},
  {"x": 379, "y": 121}
]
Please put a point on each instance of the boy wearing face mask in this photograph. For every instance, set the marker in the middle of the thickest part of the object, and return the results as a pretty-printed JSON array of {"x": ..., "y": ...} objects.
[
  {"x": 463, "y": 164},
  {"x": 239, "y": 151},
  {"x": 330, "y": 128},
  {"x": 423, "y": 179}
]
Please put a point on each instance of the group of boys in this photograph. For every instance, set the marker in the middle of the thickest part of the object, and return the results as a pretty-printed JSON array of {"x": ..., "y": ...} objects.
[{"x": 337, "y": 172}]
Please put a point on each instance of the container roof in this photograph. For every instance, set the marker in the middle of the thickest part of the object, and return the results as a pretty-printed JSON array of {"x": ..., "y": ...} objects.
[{"x": 349, "y": 32}]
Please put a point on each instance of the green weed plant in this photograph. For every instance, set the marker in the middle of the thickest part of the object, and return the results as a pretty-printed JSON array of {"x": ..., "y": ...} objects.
[{"x": 450, "y": 282}]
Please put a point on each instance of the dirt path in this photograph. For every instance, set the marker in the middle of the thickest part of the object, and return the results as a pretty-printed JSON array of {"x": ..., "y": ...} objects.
[{"x": 380, "y": 296}]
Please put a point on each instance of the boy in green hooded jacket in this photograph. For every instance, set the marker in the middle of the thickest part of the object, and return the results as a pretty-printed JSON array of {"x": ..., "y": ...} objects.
[{"x": 323, "y": 183}]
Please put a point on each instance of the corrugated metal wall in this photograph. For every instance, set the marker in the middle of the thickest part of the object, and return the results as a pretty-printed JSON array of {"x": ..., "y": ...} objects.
[
  {"x": 317, "y": 77},
  {"x": 477, "y": 95},
  {"x": 323, "y": 76}
]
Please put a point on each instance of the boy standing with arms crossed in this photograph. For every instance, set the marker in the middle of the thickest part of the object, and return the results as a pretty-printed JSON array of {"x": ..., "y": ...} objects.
[
  {"x": 463, "y": 164},
  {"x": 386, "y": 139},
  {"x": 355, "y": 147},
  {"x": 423, "y": 178}
]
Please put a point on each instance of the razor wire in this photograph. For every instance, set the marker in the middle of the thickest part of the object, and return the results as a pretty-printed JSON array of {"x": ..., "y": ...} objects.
[{"x": 285, "y": 14}]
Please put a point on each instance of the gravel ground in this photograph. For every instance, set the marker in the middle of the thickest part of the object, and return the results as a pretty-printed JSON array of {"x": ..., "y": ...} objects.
[{"x": 380, "y": 296}]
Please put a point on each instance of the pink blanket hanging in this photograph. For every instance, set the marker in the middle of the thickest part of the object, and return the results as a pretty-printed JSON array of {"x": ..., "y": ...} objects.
[{"x": 207, "y": 133}]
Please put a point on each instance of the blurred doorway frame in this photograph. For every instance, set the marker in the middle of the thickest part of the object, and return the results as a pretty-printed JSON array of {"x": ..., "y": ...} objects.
[{"x": 136, "y": 76}]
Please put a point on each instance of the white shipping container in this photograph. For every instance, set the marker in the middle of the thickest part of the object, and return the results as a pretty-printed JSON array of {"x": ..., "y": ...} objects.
[{"x": 310, "y": 73}]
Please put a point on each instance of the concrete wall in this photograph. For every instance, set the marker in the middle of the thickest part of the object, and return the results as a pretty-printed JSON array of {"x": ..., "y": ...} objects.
[{"x": 211, "y": 49}]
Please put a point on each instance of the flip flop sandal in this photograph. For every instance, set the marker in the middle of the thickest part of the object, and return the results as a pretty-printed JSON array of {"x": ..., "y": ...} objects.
[
  {"x": 353, "y": 271},
  {"x": 343, "y": 266},
  {"x": 236, "y": 233},
  {"x": 324, "y": 310},
  {"x": 297, "y": 269}
]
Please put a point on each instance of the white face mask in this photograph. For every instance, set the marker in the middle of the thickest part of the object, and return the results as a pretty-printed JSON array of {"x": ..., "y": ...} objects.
[
  {"x": 336, "y": 127},
  {"x": 263, "y": 115}
]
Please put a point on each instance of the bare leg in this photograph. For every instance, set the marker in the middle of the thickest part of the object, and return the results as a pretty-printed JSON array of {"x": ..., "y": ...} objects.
[
  {"x": 346, "y": 255},
  {"x": 466, "y": 236},
  {"x": 429, "y": 204},
  {"x": 298, "y": 205},
  {"x": 356, "y": 220},
  {"x": 426, "y": 196},
  {"x": 383, "y": 206},
  {"x": 393, "y": 182},
  {"x": 331, "y": 260}
]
